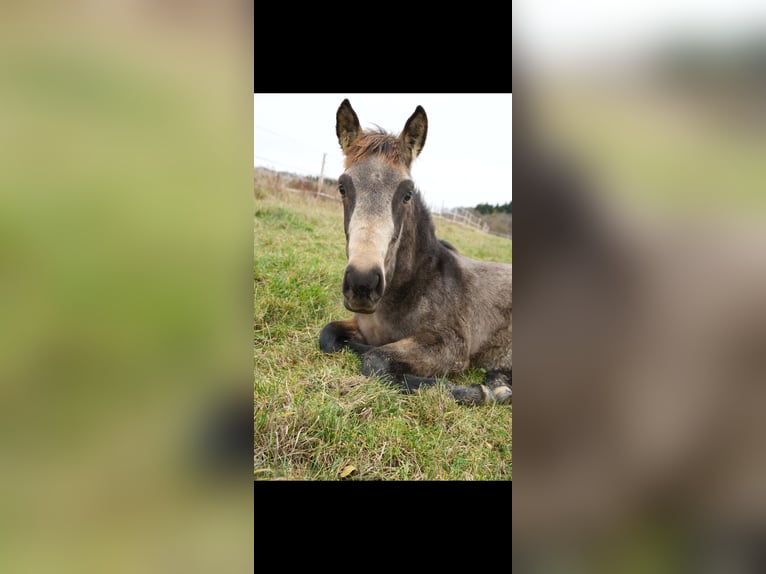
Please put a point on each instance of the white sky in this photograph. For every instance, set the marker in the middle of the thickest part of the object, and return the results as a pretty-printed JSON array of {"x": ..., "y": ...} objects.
[{"x": 466, "y": 159}]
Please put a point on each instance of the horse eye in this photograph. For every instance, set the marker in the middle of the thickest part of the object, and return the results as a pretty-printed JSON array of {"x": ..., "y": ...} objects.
[
  {"x": 342, "y": 190},
  {"x": 407, "y": 196}
]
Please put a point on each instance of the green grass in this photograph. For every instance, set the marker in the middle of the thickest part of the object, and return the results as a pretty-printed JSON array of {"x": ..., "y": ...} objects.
[
  {"x": 473, "y": 244},
  {"x": 315, "y": 416}
]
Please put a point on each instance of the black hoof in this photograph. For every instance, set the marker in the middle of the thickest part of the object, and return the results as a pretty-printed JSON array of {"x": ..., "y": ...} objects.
[{"x": 331, "y": 339}]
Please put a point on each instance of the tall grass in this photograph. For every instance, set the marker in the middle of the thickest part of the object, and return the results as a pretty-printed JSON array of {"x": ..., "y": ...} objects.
[{"x": 316, "y": 417}]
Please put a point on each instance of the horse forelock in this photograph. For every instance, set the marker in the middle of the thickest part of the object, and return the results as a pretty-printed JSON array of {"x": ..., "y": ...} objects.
[{"x": 379, "y": 143}]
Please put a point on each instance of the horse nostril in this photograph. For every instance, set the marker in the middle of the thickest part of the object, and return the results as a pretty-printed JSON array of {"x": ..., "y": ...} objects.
[{"x": 377, "y": 285}]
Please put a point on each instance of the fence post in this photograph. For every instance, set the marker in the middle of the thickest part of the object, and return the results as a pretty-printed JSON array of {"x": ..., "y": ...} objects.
[{"x": 321, "y": 175}]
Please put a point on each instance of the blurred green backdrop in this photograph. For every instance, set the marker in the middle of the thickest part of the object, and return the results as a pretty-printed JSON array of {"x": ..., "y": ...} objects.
[{"x": 125, "y": 238}]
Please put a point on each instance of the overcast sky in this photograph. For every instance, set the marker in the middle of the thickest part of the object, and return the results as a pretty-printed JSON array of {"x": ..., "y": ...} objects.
[{"x": 466, "y": 159}]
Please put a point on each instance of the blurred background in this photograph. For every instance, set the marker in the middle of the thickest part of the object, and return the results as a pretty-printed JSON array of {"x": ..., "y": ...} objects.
[
  {"x": 665, "y": 102},
  {"x": 640, "y": 183},
  {"x": 125, "y": 268}
]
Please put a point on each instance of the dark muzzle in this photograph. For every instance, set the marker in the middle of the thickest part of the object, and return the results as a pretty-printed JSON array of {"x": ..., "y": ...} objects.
[{"x": 362, "y": 289}]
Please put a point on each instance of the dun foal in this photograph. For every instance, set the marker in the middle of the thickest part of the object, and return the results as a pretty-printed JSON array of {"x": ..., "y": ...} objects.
[{"x": 421, "y": 310}]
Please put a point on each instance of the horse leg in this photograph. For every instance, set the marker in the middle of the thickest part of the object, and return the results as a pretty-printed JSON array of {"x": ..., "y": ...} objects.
[
  {"x": 338, "y": 334},
  {"x": 399, "y": 362},
  {"x": 463, "y": 394},
  {"x": 496, "y": 388}
]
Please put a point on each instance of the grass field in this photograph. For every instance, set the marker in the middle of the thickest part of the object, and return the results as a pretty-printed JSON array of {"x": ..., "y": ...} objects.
[{"x": 316, "y": 417}]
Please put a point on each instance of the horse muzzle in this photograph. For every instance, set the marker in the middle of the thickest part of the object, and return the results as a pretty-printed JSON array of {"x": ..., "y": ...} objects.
[{"x": 362, "y": 288}]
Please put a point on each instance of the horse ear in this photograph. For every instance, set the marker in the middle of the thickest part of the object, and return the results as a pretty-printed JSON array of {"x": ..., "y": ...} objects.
[
  {"x": 413, "y": 136},
  {"x": 346, "y": 125}
]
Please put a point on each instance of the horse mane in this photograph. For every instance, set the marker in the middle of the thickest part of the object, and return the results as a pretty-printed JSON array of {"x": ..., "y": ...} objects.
[
  {"x": 448, "y": 245},
  {"x": 425, "y": 230},
  {"x": 376, "y": 142}
]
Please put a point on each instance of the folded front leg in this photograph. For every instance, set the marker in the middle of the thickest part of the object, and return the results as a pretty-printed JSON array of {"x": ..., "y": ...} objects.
[
  {"x": 412, "y": 364},
  {"x": 424, "y": 356},
  {"x": 337, "y": 335}
]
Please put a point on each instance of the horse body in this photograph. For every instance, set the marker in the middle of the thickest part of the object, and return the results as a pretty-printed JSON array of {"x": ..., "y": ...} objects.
[
  {"x": 477, "y": 332},
  {"x": 421, "y": 310}
]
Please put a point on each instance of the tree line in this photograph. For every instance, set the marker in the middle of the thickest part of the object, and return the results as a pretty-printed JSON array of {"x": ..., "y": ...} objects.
[{"x": 486, "y": 208}]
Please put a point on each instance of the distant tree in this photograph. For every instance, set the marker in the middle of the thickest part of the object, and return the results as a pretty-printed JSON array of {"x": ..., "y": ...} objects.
[
  {"x": 487, "y": 209},
  {"x": 484, "y": 208}
]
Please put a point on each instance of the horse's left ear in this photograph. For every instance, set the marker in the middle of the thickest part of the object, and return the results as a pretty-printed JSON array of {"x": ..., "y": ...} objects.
[{"x": 413, "y": 136}]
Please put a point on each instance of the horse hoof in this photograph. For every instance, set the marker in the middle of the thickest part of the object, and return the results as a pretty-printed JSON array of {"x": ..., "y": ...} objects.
[
  {"x": 373, "y": 365},
  {"x": 502, "y": 394},
  {"x": 329, "y": 341}
]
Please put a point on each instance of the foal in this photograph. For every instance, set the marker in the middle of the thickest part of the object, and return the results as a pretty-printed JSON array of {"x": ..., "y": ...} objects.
[{"x": 421, "y": 310}]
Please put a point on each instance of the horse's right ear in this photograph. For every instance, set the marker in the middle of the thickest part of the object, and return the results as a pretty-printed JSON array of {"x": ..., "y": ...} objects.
[{"x": 346, "y": 125}]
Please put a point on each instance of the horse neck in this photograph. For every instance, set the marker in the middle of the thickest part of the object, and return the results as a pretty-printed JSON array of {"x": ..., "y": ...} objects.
[{"x": 418, "y": 247}]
